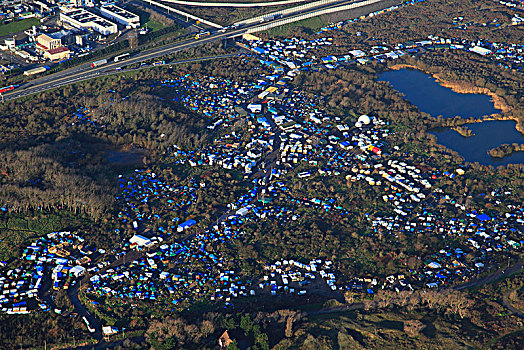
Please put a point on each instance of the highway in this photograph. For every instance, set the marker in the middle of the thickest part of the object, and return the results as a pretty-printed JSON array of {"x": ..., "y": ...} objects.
[
  {"x": 234, "y": 4},
  {"x": 85, "y": 72}
]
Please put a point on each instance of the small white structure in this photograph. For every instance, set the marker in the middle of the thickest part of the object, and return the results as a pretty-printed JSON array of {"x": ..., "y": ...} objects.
[
  {"x": 77, "y": 271},
  {"x": 141, "y": 241},
  {"x": 255, "y": 108},
  {"x": 108, "y": 330},
  {"x": 480, "y": 50},
  {"x": 364, "y": 119},
  {"x": 357, "y": 53}
]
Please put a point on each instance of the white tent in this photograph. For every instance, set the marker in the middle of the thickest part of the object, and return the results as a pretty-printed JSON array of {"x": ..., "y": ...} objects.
[{"x": 140, "y": 240}]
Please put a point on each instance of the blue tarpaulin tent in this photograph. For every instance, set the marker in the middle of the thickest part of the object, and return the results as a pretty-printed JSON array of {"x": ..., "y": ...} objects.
[{"x": 483, "y": 217}]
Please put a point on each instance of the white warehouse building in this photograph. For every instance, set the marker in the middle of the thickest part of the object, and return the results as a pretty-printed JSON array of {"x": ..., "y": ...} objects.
[
  {"x": 120, "y": 15},
  {"x": 82, "y": 19}
]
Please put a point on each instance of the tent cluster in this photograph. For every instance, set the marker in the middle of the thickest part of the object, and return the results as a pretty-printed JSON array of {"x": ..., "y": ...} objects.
[
  {"x": 187, "y": 271},
  {"x": 289, "y": 276},
  {"x": 84, "y": 115},
  {"x": 214, "y": 98},
  {"x": 479, "y": 239},
  {"x": 143, "y": 190},
  {"x": 285, "y": 138},
  {"x": 59, "y": 256},
  {"x": 296, "y": 54}
]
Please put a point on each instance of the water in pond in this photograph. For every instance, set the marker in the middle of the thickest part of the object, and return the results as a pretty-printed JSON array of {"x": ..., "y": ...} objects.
[
  {"x": 488, "y": 135},
  {"x": 131, "y": 157},
  {"x": 429, "y": 96}
]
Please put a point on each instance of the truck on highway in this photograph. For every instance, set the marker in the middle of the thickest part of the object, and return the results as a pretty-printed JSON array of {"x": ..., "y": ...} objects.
[
  {"x": 121, "y": 57},
  {"x": 270, "y": 17},
  {"x": 98, "y": 63},
  {"x": 7, "y": 88},
  {"x": 201, "y": 35},
  {"x": 89, "y": 328}
]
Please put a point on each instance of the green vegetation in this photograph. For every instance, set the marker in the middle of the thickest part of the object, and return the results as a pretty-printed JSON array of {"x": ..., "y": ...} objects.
[
  {"x": 151, "y": 17},
  {"x": 430, "y": 320},
  {"x": 505, "y": 150},
  {"x": 153, "y": 25},
  {"x": 153, "y": 38},
  {"x": 16, "y": 231},
  {"x": 306, "y": 26},
  {"x": 463, "y": 130},
  {"x": 228, "y": 15},
  {"x": 56, "y": 174},
  {"x": 18, "y": 26},
  {"x": 34, "y": 331}
]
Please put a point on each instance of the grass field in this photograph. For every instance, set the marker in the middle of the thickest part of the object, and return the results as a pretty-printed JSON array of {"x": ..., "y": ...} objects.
[
  {"x": 387, "y": 330},
  {"x": 145, "y": 19},
  {"x": 16, "y": 231},
  {"x": 153, "y": 26},
  {"x": 18, "y": 26},
  {"x": 311, "y": 25}
]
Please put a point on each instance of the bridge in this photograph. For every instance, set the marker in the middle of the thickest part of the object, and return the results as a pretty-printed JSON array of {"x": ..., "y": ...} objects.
[
  {"x": 84, "y": 71},
  {"x": 234, "y": 4}
]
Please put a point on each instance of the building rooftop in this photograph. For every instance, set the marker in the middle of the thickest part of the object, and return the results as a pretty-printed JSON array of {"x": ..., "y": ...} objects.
[
  {"x": 84, "y": 17},
  {"x": 58, "y": 50},
  {"x": 119, "y": 11}
]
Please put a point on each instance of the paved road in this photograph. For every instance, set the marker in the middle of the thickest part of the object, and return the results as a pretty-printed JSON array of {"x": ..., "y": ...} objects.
[
  {"x": 508, "y": 304},
  {"x": 85, "y": 72},
  {"x": 82, "y": 311},
  {"x": 519, "y": 266},
  {"x": 513, "y": 309},
  {"x": 183, "y": 22}
]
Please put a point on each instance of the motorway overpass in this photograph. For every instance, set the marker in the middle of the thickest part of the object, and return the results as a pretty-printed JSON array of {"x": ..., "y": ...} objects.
[
  {"x": 85, "y": 72},
  {"x": 234, "y": 4}
]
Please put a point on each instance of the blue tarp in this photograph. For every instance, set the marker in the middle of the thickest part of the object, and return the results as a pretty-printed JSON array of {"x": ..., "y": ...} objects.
[{"x": 483, "y": 217}]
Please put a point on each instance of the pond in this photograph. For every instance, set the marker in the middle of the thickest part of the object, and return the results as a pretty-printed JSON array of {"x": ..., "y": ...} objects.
[
  {"x": 429, "y": 96},
  {"x": 121, "y": 157},
  {"x": 488, "y": 135}
]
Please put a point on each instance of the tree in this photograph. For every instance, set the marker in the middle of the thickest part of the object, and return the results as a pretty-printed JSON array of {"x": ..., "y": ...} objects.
[
  {"x": 133, "y": 41},
  {"x": 246, "y": 323},
  {"x": 262, "y": 341},
  {"x": 413, "y": 327},
  {"x": 289, "y": 327},
  {"x": 233, "y": 345}
]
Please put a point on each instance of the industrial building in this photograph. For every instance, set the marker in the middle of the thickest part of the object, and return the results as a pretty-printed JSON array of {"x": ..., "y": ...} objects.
[
  {"x": 82, "y": 19},
  {"x": 60, "y": 53},
  {"x": 35, "y": 71},
  {"x": 120, "y": 15},
  {"x": 47, "y": 42}
]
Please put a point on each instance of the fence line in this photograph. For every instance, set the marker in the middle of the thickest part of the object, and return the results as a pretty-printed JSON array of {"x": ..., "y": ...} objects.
[
  {"x": 187, "y": 15},
  {"x": 233, "y": 4},
  {"x": 287, "y": 11},
  {"x": 311, "y": 14}
]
